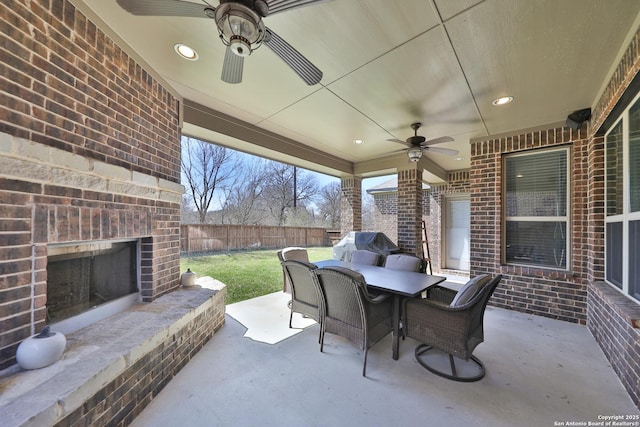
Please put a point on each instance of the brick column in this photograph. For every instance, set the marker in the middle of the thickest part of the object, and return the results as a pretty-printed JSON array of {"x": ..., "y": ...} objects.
[
  {"x": 351, "y": 205},
  {"x": 410, "y": 210},
  {"x": 595, "y": 201}
]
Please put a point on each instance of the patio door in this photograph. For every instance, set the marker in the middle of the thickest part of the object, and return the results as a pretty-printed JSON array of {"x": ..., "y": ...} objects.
[{"x": 457, "y": 236}]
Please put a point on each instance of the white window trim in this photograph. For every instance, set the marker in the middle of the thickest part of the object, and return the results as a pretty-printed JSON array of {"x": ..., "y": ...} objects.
[
  {"x": 444, "y": 244},
  {"x": 626, "y": 216},
  {"x": 565, "y": 218}
]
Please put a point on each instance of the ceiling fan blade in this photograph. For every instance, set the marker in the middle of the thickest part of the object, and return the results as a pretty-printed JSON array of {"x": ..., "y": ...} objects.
[
  {"x": 232, "y": 67},
  {"x": 294, "y": 59},
  {"x": 399, "y": 141},
  {"x": 276, "y": 6},
  {"x": 440, "y": 140},
  {"x": 438, "y": 150},
  {"x": 164, "y": 8}
]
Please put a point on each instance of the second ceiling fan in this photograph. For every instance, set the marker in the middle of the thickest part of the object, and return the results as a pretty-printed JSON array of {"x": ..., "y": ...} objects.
[
  {"x": 241, "y": 29},
  {"x": 418, "y": 144}
]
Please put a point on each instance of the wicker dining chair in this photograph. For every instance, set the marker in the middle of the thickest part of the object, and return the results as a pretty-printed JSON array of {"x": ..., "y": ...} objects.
[
  {"x": 404, "y": 262},
  {"x": 365, "y": 257},
  {"x": 349, "y": 311},
  {"x": 451, "y": 322},
  {"x": 291, "y": 253},
  {"x": 305, "y": 298}
]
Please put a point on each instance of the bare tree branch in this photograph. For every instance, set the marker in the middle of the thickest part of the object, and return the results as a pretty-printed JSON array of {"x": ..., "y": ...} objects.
[
  {"x": 329, "y": 204},
  {"x": 206, "y": 168},
  {"x": 280, "y": 190},
  {"x": 243, "y": 198}
]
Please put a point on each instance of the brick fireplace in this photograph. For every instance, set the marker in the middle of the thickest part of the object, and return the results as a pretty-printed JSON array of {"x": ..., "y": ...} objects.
[{"x": 89, "y": 151}]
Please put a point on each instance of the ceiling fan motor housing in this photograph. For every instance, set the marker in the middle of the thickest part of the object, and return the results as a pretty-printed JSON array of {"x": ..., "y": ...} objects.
[
  {"x": 259, "y": 6},
  {"x": 416, "y": 140}
]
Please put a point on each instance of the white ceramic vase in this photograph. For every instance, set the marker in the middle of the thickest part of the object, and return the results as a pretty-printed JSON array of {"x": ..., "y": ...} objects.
[
  {"x": 188, "y": 278},
  {"x": 41, "y": 350}
]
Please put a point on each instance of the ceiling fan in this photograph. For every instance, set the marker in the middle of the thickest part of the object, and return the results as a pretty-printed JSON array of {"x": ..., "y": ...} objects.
[
  {"x": 418, "y": 144},
  {"x": 241, "y": 29}
]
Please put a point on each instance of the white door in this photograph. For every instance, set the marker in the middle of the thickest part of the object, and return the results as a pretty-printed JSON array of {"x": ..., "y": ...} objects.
[{"x": 457, "y": 222}]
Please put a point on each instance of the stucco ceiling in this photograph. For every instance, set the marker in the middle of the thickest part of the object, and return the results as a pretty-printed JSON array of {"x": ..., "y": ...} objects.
[{"x": 386, "y": 64}]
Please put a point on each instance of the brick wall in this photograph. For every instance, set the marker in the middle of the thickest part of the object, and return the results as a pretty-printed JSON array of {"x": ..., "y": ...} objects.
[
  {"x": 385, "y": 207},
  {"x": 609, "y": 321},
  {"x": 547, "y": 292},
  {"x": 89, "y": 149},
  {"x": 67, "y": 85},
  {"x": 609, "y": 312}
]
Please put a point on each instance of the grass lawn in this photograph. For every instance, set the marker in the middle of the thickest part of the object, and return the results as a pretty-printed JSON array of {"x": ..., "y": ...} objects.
[{"x": 246, "y": 274}]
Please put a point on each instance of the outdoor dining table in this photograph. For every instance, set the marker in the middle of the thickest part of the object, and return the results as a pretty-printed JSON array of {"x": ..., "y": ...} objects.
[{"x": 399, "y": 283}]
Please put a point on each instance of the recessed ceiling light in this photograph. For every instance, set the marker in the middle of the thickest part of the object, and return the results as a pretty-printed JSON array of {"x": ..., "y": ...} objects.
[
  {"x": 358, "y": 141},
  {"x": 458, "y": 158},
  {"x": 186, "y": 52},
  {"x": 502, "y": 101}
]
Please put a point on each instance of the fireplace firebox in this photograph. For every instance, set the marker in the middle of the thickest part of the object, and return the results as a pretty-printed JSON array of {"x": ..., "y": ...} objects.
[{"x": 82, "y": 277}]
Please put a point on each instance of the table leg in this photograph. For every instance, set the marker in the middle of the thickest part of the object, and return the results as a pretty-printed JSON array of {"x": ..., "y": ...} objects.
[{"x": 396, "y": 326}]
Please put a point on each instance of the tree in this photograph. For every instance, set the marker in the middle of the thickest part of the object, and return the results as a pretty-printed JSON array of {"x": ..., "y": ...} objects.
[
  {"x": 329, "y": 204},
  {"x": 302, "y": 216},
  {"x": 287, "y": 188},
  {"x": 188, "y": 214},
  {"x": 368, "y": 212},
  {"x": 206, "y": 168},
  {"x": 243, "y": 200}
]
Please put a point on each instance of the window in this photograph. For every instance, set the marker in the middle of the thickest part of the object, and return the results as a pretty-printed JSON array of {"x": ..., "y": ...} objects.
[
  {"x": 622, "y": 186},
  {"x": 536, "y": 206},
  {"x": 456, "y": 236}
]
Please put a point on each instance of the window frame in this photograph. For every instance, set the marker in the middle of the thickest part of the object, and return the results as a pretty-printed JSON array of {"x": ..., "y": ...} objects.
[
  {"x": 446, "y": 199},
  {"x": 626, "y": 217},
  {"x": 546, "y": 219}
]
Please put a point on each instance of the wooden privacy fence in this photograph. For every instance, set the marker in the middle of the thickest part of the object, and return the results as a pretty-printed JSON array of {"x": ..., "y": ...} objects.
[{"x": 196, "y": 238}]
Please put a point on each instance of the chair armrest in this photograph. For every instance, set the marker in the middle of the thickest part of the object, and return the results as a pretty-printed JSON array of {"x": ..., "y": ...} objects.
[
  {"x": 377, "y": 299},
  {"x": 440, "y": 293},
  {"x": 436, "y": 303},
  {"x": 436, "y": 315}
]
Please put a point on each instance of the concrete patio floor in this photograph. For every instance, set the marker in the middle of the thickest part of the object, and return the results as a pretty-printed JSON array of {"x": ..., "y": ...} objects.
[{"x": 540, "y": 372}]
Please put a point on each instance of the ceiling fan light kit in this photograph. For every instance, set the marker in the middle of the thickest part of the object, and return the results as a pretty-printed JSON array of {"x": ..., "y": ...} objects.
[
  {"x": 239, "y": 27},
  {"x": 414, "y": 154}
]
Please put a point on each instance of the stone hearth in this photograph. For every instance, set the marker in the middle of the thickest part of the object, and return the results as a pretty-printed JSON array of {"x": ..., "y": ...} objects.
[{"x": 111, "y": 370}]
